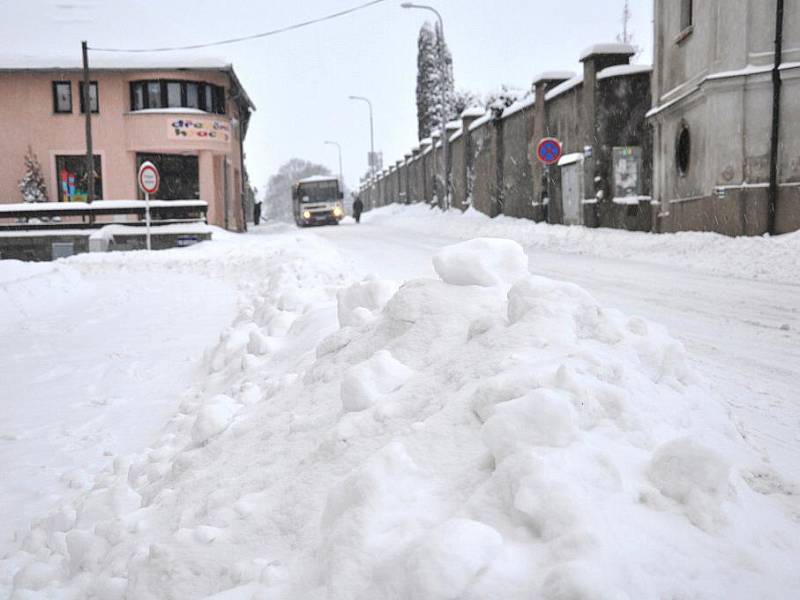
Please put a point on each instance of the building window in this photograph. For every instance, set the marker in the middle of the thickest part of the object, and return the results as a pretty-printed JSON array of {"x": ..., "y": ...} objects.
[
  {"x": 94, "y": 101},
  {"x": 686, "y": 14},
  {"x": 174, "y": 94},
  {"x": 62, "y": 96},
  {"x": 177, "y": 94},
  {"x": 153, "y": 96},
  {"x": 73, "y": 181},
  {"x": 179, "y": 173},
  {"x": 683, "y": 149}
]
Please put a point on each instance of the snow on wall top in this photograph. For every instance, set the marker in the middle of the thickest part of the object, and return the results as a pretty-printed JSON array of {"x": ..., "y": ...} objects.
[
  {"x": 473, "y": 112},
  {"x": 620, "y": 70},
  {"x": 625, "y": 49},
  {"x": 564, "y": 87},
  {"x": 553, "y": 75},
  {"x": 484, "y": 119},
  {"x": 520, "y": 105}
]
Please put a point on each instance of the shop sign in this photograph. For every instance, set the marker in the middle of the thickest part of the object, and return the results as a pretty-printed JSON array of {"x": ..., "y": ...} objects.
[{"x": 210, "y": 130}]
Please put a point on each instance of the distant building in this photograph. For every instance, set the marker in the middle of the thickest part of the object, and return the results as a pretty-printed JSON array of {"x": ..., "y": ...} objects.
[
  {"x": 189, "y": 118},
  {"x": 712, "y": 115}
]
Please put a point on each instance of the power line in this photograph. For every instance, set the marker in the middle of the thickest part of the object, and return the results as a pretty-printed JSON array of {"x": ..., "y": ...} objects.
[{"x": 247, "y": 37}]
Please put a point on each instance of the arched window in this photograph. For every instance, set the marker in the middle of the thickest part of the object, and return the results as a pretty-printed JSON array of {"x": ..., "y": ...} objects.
[{"x": 683, "y": 149}]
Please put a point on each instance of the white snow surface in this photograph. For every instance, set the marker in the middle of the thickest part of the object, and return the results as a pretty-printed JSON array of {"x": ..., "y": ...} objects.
[{"x": 445, "y": 436}]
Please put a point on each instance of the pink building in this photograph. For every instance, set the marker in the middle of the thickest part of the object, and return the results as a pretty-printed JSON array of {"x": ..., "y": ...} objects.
[{"x": 188, "y": 117}]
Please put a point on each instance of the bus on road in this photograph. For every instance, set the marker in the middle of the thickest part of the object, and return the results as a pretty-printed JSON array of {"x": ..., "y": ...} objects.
[{"x": 317, "y": 200}]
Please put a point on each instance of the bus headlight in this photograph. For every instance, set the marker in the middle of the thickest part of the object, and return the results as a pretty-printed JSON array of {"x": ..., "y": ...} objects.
[
  {"x": 338, "y": 212},
  {"x": 306, "y": 214}
]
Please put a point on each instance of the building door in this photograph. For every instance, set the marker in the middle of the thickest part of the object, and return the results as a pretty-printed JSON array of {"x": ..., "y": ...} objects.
[
  {"x": 572, "y": 193},
  {"x": 179, "y": 173}
]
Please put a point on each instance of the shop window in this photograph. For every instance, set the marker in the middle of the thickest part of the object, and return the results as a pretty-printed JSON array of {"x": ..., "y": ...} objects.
[
  {"x": 94, "y": 101},
  {"x": 179, "y": 173},
  {"x": 683, "y": 150},
  {"x": 177, "y": 94},
  {"x": 62, "y": 96},
  {"x": 73, "y": 180}
]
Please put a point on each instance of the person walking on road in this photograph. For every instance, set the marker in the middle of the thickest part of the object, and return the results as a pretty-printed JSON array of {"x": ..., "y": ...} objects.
[
  {"x": 256, "y": 211},
  {"x": 358, "y": 208}
]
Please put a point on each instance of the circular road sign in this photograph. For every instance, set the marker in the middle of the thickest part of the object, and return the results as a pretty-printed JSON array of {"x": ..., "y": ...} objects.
[
  {"x": 549, "y": 151},
  {"x": 149, "y": 178}
]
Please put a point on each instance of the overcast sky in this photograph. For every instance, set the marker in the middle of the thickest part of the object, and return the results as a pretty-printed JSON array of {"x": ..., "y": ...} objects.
[{"x": 300, "y": 81}]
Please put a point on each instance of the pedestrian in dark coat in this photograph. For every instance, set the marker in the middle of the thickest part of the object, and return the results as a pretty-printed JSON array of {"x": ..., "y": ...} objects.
[
  {"x": 257, "y": 211},
  {"x": 358, "y": 208}
]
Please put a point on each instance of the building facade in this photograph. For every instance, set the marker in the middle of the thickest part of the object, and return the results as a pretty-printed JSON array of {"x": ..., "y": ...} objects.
[
  {"x": 188, "y": 119},
  {"x": 712, "y": 116}
]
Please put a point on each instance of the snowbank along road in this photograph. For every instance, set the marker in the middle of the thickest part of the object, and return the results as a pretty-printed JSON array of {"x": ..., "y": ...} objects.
[{"x": 392, "y": 412}]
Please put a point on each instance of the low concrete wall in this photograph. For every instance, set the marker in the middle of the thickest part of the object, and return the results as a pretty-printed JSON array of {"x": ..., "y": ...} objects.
[{"x": 40, "y": 247}]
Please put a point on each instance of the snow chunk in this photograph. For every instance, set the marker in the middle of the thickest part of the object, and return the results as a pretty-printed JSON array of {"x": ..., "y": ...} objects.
[
  {"x": 213, "y": 419},
  {"x": 541, "y": 418},
  {"x": 358, "y": 303},
  {"x": 451, "y": 558},
  {"x": 364, "y": 384},
  {"x": 486, "y": 262},
  {"x": 692, "y": 474}
]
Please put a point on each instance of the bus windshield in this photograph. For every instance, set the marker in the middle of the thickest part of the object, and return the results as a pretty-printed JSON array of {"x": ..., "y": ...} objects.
[{"x": 318, "y": 191}]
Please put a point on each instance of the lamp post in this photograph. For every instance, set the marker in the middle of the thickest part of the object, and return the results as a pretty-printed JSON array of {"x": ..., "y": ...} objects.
[
  {"x": 341, "y": 179},
  {"x": 444, "y": 203},
  {"x": 371, "y": 135}
]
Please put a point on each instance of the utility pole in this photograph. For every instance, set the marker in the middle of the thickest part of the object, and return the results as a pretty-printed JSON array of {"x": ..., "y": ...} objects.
[
  {"x": 626, "y": 18},
  {"x": 776, "y": 120},
  {"x": 87, "y": 108}
]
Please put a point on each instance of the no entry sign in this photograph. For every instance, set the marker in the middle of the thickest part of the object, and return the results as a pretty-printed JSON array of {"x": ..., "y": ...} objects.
[
  {"x": 549, "y": 151},
  {"x": 149, "y": 179}
]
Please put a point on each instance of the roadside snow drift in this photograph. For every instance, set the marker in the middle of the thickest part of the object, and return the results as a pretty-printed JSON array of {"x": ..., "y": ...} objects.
[{"x": 490, "y": 434}]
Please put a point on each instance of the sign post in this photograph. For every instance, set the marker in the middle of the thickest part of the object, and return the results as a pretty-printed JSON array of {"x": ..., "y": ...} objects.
[{"x": 149, "y": 180}]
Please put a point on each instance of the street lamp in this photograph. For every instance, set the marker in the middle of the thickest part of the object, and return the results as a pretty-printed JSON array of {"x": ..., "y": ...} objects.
[
  {"x": 371, "y": 135},
  {"x": 341, "y": 179},
  {"x": 444, "y": 203}
]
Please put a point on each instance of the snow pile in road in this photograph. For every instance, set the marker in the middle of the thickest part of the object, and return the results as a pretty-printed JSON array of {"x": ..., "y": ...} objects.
[
  {"x": 511, "y": 439},
  {"x": 769, "y": 259}
]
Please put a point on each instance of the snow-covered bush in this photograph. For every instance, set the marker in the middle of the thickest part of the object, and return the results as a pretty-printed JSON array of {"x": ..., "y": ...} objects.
[{"x": 32, "y": 184}]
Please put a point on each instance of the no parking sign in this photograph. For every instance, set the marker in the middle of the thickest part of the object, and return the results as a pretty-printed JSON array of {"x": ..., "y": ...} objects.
[{"x": 549, "y": 151}]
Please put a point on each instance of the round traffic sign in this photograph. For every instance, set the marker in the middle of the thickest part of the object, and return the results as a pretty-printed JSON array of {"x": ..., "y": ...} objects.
[
  {"x": 149, "y": 179},
  {"x": 549, "y": 151}
]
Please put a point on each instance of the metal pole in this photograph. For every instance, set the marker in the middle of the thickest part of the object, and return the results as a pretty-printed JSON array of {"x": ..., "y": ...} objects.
[
  {"x": 776, "y": 120},
  {"x": 147, "y": 216},
  {"x": 341, "y": 177},
  {"x": 371, "y": 135},
  {"x": 87, "y": 108}
]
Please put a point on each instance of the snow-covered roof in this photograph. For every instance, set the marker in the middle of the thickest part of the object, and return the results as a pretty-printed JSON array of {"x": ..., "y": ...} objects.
[
  {"x": 101, "y": 61},
  {"x": 553, "y": 75},
  {"x": 614, "y": 48},
  {"x": 564, "y": 87},
  {"x": 116, "y": 62},
  {"x": 473, "y": 112},
  {"x": 314, "y": 178},
  {"x": 620, "y": 70}
]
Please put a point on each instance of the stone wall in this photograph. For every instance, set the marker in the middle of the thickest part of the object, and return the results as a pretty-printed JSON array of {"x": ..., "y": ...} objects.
[{"x": 492, "y": 164}]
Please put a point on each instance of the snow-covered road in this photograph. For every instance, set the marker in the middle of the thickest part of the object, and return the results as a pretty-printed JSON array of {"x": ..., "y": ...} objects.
[
  {"x": 272, "y": 415},
  {"x": 743, "y": 333}
]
